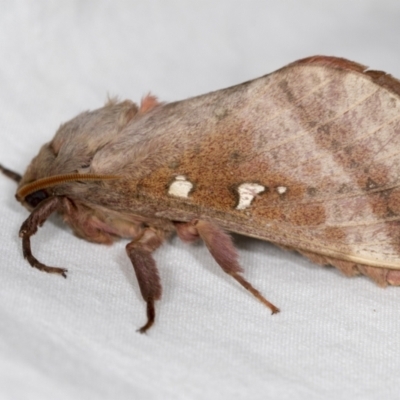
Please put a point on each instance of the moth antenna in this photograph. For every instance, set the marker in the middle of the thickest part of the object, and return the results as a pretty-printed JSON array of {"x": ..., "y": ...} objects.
[
  {"x": 15, "y": 176},
  {"x": 57, "y": 179}
]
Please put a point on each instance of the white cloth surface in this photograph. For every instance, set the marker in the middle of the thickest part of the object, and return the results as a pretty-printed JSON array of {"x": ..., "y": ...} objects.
[{"x": 335, "y": 338}]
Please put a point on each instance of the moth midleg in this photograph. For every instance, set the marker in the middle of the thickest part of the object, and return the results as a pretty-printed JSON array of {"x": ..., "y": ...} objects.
[
  {"x": 36, "y": 219},
  {"x": 139, "y": 251},
  {"x": 221, "y": 247}
]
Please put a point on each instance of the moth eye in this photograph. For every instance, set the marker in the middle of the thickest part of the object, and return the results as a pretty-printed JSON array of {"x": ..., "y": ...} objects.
[{"x": 37, "y": 197}]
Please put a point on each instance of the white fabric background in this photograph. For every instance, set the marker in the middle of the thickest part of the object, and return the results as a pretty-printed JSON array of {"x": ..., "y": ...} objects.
[{"x": 336, "y": 338}]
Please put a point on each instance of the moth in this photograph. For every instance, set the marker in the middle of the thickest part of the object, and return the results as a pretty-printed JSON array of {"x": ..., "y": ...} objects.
[{"x": 307, "y": 157}]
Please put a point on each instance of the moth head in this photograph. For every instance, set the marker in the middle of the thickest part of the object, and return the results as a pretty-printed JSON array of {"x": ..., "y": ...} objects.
[
  {"x": 29, "y": 193},
  {"x": 33, "y": 199},
  {"x": 33, "y": 193},
  {"x": 69, "y": 156}
]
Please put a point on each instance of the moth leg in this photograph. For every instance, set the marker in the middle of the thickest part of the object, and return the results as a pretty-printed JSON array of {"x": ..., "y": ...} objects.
[
  {"x": 36, "y": 219},
  {"x": 15, "y": 176},
  {"x": 223, "y": 251},
  {"x": 139, "y": 251}
]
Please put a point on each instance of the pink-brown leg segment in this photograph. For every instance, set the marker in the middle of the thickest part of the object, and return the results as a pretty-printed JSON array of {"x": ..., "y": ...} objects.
[
  {"x": 222, "y": 249},
  {"x": 139, "y": 252},
  {"x": 36, "y": 219}
]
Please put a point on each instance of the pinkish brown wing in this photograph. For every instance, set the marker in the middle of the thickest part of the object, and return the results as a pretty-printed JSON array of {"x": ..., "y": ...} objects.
[
  {"x": 306, "y": 157},
  {"x": 333, "y": 163}
]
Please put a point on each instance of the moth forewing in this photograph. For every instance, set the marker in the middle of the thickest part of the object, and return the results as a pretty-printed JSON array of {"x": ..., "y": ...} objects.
[{"x": 307, "y": 157}]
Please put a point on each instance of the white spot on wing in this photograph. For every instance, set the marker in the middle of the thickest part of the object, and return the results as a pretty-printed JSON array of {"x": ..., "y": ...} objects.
[
  {"x": 180, "y": 187},
  {"x": 281, "y": 189},
  {"x": 247, "y": 192}
]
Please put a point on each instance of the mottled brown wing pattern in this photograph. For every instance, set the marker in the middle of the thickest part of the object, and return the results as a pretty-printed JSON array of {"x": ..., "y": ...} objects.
[{"x": 321, "y": 136}]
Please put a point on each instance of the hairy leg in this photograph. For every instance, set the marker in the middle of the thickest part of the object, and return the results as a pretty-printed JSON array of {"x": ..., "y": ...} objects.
[
  {"x": 36, "y": 219},
  {"x": 221, "y": 247},
  {"x": 140, "y": 253}
]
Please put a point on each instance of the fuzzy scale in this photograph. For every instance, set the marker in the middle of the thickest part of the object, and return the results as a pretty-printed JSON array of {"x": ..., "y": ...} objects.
[{"x": 315, "y": 145}]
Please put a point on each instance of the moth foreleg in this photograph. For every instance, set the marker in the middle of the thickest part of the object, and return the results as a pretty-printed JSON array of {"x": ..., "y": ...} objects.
[
  {"x": 139, "y": 252},
  {"x": 36, "y": 219},
  {"x": 221, "y": 247}
]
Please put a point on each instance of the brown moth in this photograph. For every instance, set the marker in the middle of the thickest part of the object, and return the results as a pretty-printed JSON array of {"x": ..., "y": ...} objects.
[{"x": 307, "y": 157}]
